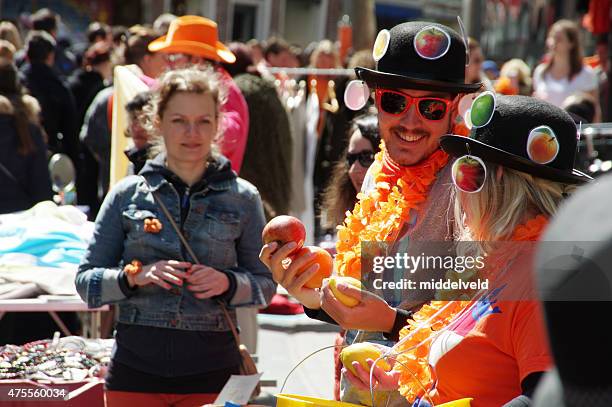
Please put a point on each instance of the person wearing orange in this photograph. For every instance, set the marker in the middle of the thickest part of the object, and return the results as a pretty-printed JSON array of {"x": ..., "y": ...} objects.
[
  {"x": 510, "y": 176},
  {"x": 194, "y": 40},
  {"x": 408, "y": 182}
]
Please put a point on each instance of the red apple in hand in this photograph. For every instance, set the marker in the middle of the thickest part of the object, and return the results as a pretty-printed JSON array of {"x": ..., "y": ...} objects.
[{"x": 284, "y": 229}]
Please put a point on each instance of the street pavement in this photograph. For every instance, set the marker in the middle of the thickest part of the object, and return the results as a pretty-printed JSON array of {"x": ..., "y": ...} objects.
[{"x": 283, "y": 342}]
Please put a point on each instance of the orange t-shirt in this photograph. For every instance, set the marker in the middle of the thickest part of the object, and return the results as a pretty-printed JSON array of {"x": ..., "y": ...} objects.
[{"x": 487, "y": 353}]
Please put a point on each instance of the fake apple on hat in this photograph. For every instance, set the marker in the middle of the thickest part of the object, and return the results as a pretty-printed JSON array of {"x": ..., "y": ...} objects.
[
  {"x": 542, "y": 145},
  {"x": 468, "y": 173}
]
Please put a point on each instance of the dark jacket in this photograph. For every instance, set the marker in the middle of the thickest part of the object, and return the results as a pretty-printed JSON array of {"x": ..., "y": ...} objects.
[
  {"x": 59, "y": 113},
  {"x": 332, "y": 142},
  {"x": 84, "y": 86},
  {"x": 29, "y": 181},
  {"x": 267, "y": 158}
]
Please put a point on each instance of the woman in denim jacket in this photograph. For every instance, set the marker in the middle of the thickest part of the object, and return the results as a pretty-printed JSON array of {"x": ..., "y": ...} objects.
[{"x": 173, "y": 343}]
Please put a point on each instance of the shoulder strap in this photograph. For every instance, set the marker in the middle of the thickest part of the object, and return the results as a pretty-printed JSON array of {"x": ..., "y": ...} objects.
[{"x": 194, "y": 257}]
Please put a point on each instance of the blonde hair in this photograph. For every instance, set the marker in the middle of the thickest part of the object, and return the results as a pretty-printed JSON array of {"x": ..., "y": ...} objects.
[
  {"x": 9, "y": 32},
  {"x": 519, "y": 68},
  {"x": 325, "y": 47},
  {"x": 503, "y": 204},
  {"x": 7, "y": 50},
  {"x": 194, "y": 79}
]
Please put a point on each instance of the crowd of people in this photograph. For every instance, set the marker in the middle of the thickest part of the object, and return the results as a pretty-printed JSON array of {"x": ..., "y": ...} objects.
[
  {"x": 73, "y": 87},
  {"x": 220, "y": 143}
]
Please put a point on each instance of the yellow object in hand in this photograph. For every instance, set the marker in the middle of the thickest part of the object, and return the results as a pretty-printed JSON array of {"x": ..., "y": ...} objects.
[
  {"x": 345, "y": 299},
  {"x": 360, "y": 352}
]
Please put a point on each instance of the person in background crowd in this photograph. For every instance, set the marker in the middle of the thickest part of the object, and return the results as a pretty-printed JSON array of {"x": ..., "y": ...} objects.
[
  {"x": 193, "y": 40},
  {"x": 7, "y": 50},
  {"x": 277, "y": 53},
  {"x": 490, "y": 69},
  {"x": 304, "y": 57},
  {"x": 564, "y": 73},
  {"x": 59, "y": 114},
  {"x": 46, "y": 20},
  {"x": 341, "y": 193},
  {"x": 174, "y": 345},
  {"x": 473, "y": 71},
  {"x": 85, "y": 83},
  {"x": 268, "y": 154},
  {"x": 24, "y": 174},
  {"x": 334, "y": 118},
  {"x": 162, "y": 22},
  {"x": 98, "y": 31},
  {"x": 139, "y": 152},
  {"x": 96, "y": 130},
  {"x": 517, "y": 76},
  {"x": 349, "y": 172},
  {"x": 9, "y": 32},
  {"x": 582, "y": 107},
  {"x": 24, "y": 181},
  {"x": 120, "y": 35},
  {"x": 268, "y": 157},
  {"x": 257, "y": 51},
  {"x": 92, "y": 77}
]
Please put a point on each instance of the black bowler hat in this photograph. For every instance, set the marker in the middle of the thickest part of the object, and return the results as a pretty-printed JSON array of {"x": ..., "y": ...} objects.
[
  {"x": 522, "y": 133},
  {"x": 419, "y": 55}
]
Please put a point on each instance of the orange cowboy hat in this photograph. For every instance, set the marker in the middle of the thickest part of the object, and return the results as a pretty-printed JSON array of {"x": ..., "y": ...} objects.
[{"x": 193, "y": 35}]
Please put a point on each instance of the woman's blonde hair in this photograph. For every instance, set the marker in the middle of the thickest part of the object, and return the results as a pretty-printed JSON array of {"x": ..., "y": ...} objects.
[
  {"x": 194, "y": 79},
  {"x": 9, "y": 32},
  {"x": 518, "y": 67},
  {"x": 325, "y": 47},
  {"x": 503, "y": 204}
]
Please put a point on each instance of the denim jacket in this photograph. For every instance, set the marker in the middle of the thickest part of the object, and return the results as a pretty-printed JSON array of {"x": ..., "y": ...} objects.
[{"x": 223, "y": 226}]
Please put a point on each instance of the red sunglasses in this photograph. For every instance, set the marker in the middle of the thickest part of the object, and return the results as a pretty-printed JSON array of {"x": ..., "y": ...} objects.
[{"x": 397, "y": 103}]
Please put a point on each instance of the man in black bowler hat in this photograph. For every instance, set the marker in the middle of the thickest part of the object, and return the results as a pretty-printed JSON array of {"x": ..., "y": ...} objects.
[{"x": 417, "y": 84}]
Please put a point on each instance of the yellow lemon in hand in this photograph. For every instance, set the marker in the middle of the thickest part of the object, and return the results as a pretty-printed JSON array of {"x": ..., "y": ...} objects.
[
  {"x": 360, "y": 352},
  {"x": 345, "y": 299}
]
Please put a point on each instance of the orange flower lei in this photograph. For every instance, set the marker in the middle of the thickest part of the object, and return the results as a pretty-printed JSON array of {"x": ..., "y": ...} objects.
[
  {"x": 415, "y": 372},
  {"x": 382, "y": 211}
]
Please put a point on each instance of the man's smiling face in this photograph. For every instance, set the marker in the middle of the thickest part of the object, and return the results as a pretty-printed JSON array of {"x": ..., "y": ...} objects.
[{"x": 410, "y": 138}]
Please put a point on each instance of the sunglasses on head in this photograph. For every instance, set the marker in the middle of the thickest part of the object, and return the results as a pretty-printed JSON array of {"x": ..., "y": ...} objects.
[
  {"x": 365, "y": 158},
  {"x": 397, "y": 103}
]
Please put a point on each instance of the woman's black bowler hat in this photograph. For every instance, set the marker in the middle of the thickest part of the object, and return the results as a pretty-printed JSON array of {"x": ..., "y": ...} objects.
[
  {"x": 401, "y": 66},
  {"x": 516, "y": 122}
]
